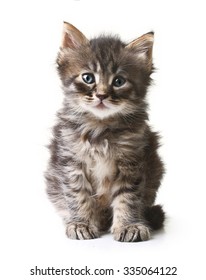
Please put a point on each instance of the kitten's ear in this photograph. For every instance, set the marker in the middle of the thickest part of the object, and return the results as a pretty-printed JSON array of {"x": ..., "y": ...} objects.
[
  {"x": 72, "y": 38},
  {"x": 143, "y": 47}
]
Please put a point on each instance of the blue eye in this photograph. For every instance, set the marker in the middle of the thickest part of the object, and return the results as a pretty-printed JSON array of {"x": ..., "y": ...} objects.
[
  {"x": 88, "y": 78},
  {"x": 119, "y": 81}
]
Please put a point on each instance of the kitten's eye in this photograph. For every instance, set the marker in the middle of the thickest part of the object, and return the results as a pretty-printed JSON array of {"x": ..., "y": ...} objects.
[
  {"x": 88, "y": 78},
  {"x": 119, "y": 81}
]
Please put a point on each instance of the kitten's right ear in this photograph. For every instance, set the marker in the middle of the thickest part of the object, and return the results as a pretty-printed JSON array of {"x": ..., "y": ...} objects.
[{"x": 72, "y": 38}]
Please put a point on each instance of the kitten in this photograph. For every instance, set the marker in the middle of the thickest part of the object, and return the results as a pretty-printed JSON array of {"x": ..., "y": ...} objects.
[{"x": 104, "y": 170}]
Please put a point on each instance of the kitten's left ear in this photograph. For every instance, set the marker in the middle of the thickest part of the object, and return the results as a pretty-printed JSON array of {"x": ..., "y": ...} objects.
[
  {"x": 72, "y": 38},
  {"x": 143, "y": 48}
]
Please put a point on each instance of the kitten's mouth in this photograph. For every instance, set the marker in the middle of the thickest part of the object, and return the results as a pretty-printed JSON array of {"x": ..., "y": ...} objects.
[{"x": 101, "y": 106}]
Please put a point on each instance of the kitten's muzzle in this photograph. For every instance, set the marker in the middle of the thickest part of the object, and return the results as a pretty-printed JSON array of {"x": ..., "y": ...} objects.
[{"x": 102, "y": 96}]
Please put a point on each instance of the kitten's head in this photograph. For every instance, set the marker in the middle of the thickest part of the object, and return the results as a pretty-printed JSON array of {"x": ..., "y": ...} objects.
[{"x": 104, "y": 76}]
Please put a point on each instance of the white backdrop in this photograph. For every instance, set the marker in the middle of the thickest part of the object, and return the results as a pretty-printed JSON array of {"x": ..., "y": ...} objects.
[{"x": 31, "y": 232}]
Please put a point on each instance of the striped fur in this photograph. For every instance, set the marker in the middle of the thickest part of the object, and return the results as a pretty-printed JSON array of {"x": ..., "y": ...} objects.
[{"x": 104, "y": 170}]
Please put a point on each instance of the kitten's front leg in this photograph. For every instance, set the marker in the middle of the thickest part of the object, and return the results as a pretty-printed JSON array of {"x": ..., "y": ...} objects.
[
  {"x": 71, "y": 193},
  {"x": 81, "y": 231},
  {"x": 128, "y": 222},
  {"x": 81, "y": 223}
]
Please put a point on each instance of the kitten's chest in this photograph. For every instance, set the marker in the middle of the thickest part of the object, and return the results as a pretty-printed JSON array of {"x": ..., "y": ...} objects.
[{"x": 100, "y": 165}]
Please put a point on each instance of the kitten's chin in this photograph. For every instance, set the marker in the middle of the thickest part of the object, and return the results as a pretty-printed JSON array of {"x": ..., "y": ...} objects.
[{"x": 103, "y": 110}]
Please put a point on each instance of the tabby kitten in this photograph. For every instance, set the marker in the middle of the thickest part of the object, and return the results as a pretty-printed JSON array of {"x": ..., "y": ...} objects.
[{"x": 104, "y": 170}]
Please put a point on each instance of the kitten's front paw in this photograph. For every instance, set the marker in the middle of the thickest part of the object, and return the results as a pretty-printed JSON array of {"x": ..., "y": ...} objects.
[
  {"x": 81, "y": 231},
  {"x": 131, "y": 233}
]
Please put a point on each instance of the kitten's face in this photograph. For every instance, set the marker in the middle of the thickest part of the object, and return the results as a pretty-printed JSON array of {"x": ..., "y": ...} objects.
[{"x": 104, "y": 76}]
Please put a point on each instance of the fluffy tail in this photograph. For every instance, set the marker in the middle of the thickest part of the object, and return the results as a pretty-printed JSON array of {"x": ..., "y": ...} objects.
[{"x": 155, "y": 216}]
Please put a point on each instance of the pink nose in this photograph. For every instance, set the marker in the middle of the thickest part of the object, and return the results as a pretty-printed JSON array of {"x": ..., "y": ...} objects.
[{"x": 101, "y": 96}]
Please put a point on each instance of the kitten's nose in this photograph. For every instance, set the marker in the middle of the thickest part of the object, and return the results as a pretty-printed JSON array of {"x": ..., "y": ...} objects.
[{"x": 102, "y": 96}]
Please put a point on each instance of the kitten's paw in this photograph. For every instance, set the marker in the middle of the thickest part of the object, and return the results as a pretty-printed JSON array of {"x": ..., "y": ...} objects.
[
  {"x": 81, "y": 231},
  {"x": 131, "y": 233}
]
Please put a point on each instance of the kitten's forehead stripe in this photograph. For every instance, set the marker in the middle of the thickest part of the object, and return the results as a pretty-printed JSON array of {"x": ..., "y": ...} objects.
[
  {"x": 111, "y": 79},
  {"x": 107, "y": 50},
  {"x": 90, "y": 66},
  {"x": 94, "y": 66},
  {"x": 97, "y": 78},
  {"x": 98, "y": 68}
]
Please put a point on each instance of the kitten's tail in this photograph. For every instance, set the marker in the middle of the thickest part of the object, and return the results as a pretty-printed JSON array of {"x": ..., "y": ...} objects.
[{"x": 155, "y": 216}]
